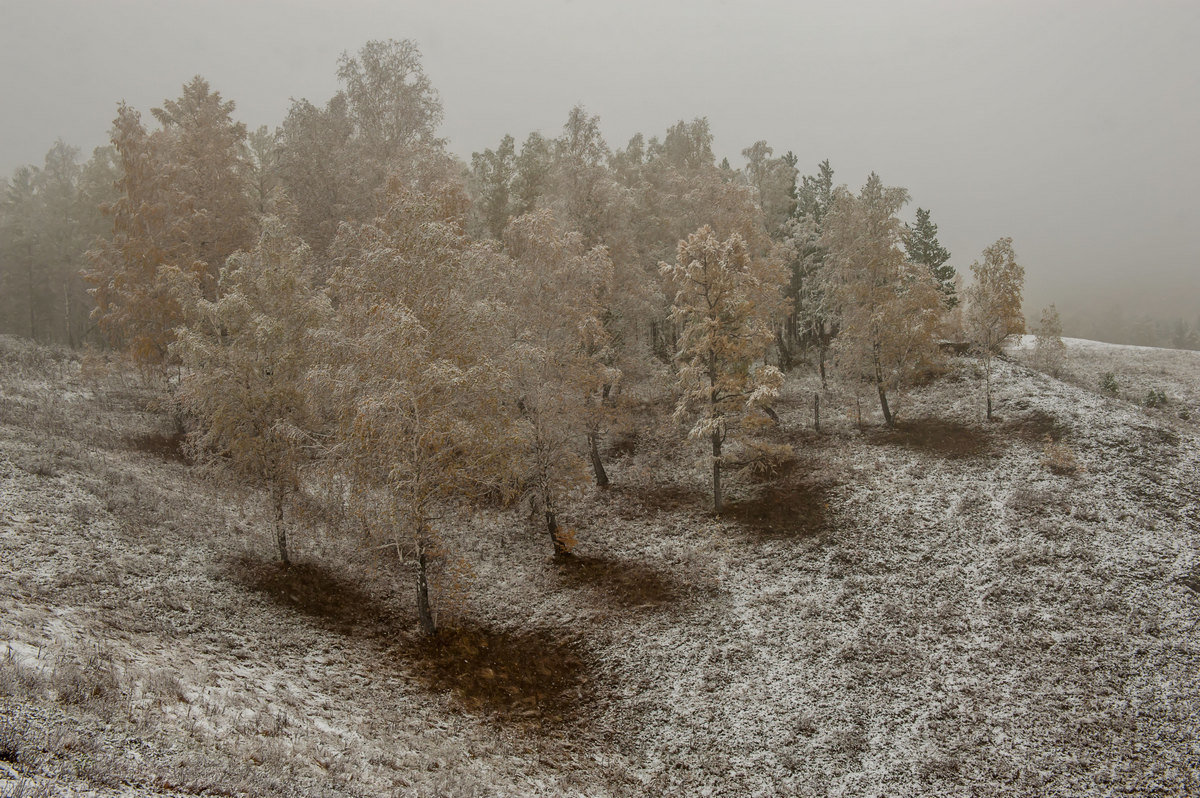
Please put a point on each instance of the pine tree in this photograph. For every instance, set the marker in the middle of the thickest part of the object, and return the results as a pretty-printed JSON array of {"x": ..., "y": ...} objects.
[
  {"x": 922, "y": 246},
  {"x": 810, "y": 321}
]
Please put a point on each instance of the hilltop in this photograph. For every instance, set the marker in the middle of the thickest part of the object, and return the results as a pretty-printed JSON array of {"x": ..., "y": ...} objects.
[{"x": 951, "y": 608}]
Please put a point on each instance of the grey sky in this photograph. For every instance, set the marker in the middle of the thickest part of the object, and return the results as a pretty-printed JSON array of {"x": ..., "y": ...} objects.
[{"x": 1072, "y": 127}]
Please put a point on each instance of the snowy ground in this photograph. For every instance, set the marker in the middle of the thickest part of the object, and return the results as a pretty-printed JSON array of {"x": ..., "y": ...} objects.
[{"x": 954, "y": 608}]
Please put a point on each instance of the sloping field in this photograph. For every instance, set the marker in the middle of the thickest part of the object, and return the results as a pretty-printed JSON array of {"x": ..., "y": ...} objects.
[{"x": 952, "y": 608}]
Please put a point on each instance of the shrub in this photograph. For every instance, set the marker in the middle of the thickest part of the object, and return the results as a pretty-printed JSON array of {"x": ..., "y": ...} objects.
[
  {"x": 1155, "y": 397},
  {"x": 1058, "y": 457},
  {"x": 762, "y": 461},
  {"x": 1109, "y": 385}
]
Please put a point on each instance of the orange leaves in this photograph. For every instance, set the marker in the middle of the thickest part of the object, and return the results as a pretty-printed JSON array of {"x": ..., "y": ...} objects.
[{"x": 181, "y": 211}]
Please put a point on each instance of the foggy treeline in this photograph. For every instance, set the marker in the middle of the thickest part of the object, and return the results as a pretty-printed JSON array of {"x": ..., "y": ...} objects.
[
  {"x": 330, "y": 161},
  {"x": 341, "y": 302}
]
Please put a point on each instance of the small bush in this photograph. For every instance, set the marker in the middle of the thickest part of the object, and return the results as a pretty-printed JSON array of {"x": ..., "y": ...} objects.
[
  {"x": 762, "y": 461},
  {"x": 1109, "y": 385},
  {"x": 11, "y": 741},
  {"x": 1058, "y": 457},
  {"x": 1155, "y": 397},
  {"x": 92, "y": 683}
]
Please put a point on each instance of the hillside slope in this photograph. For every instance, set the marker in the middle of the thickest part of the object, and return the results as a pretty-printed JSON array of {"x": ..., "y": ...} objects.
[{"x": 928, "y": 611}]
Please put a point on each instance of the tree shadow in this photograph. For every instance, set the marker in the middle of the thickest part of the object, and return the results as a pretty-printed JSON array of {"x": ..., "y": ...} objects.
[
  {"x": 635, "y": 501},
  {"x": 529, "y": 678},
  {"x": 533, "y": 678},
  {"x": 791, "y": 509},
  {"x": 332, "y": 600},
  {"x": 167, "y": 446},
  {"x": 1035, "y": 426},
  {"x": 947, "y": 439},
  {"x": 627, "y": 583}
]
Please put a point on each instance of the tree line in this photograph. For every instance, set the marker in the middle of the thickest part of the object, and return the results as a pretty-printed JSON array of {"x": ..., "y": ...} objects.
[{"x": 341, "y": 299}]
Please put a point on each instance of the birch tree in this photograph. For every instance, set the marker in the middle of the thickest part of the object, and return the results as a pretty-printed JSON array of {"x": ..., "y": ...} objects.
[
  {"x": 560, "y": 360},
  {"x": 888, "y": 309},
  {"x": 722, "y": 306},
  {"x": 244, "y": 360},
  {"x": 410, "y": 376},
  {"x": 1049, "y": 352},
  {"x": 994, "y": 305}
]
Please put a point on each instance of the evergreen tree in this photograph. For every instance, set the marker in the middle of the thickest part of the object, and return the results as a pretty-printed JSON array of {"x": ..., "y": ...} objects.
[{"x": 922, "y": 246}]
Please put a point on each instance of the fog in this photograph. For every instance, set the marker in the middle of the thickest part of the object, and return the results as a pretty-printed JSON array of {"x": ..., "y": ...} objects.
[{"x": 1071, "y": 127}]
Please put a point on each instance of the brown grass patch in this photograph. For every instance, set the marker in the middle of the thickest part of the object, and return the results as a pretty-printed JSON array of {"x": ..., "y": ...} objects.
[
  {"x": 531, "y": 678},
  {"x": 948, "y": 439}
]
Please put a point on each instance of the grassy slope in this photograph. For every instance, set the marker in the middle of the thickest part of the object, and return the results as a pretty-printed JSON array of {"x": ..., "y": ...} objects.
[{"x": 927, "y": 612}]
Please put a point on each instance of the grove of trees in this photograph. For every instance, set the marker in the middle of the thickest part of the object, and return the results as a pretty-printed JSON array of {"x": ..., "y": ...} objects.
[{"x": 341, "y": 299}]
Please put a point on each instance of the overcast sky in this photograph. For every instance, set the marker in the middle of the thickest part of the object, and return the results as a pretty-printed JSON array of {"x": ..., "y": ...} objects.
[{"x": 1073, "y": 127}]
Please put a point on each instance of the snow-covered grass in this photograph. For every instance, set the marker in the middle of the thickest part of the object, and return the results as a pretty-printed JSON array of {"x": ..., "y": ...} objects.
[
  {"x": 929, "y": 611},
  {"x": 1137, "y": 370}
]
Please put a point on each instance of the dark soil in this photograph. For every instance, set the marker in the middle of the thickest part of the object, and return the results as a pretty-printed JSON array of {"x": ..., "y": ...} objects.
[
  {"x": 948, "y": 439},
  {"x": 627, "y": 583}
]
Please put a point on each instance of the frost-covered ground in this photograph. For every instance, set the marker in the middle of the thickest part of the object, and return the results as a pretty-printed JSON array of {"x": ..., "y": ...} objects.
[
  {"x": 1138, "y": 370},
  {"x": 933, "y": 611}
]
